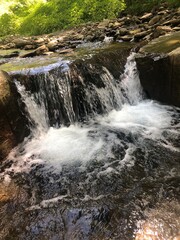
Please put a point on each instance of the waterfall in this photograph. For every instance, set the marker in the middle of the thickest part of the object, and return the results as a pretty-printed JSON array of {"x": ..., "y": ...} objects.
[
  {"x": 63, "y": 97},
  {"x": 69, "y": 111},
  {"x": 130, "y": 82}
]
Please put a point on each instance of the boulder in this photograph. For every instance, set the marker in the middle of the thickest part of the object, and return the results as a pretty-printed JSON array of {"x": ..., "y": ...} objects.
[
  {"x": 52, "y": 45},
  {"x": 13, "y": 126},
  {"x": 159, "y": 69},
  {"x": 20, "y": 43}
]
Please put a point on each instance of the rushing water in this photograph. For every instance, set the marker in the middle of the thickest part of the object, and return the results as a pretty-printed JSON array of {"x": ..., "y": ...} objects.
[{"x": 109, "y": 174}]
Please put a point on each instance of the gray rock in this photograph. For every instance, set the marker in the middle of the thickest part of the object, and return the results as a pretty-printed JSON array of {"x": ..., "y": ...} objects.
[
  {"x": 12, "y": 122},
  {"x": 20, "y": 43},
  {"x": 159, "y": 69}
]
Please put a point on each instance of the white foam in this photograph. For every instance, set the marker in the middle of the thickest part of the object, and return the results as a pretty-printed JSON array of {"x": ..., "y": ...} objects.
[
  {"x": 147, "y": 116},
  {"x": 69, "y": 145}
]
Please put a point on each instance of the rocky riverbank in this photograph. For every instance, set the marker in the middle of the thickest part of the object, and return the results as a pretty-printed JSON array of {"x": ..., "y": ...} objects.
[{"x": 127, "y": 28}]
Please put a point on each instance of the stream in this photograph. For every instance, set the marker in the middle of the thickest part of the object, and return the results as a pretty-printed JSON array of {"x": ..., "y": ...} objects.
[{"x": 101, "y": 162}]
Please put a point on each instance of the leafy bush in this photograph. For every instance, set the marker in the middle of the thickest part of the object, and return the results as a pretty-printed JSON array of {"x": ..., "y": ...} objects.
[{"x": 34, "y": 17}]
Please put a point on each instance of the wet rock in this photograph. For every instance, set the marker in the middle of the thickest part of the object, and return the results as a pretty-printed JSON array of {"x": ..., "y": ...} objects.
[
  {"x": 12, "y": 123},
  {"x": 159, "y": 69}
]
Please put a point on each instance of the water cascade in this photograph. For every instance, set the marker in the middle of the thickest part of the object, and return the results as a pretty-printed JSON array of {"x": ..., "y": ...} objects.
[{"x": 99, "y": 157}]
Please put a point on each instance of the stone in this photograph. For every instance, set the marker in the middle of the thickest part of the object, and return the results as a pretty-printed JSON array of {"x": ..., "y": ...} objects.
[
  {"x": 159, "y": 70},
  {"x": 29, "y": 54},
  {"x": 126, "y": 38},
  {"x": 48, "y": 53},
  {"x": 176, "y": 28},
  {"x": 173, "y": 22},
  {"x": 123, "y": 31},
  {"x": 39, "y": 41},
  {"x": 163, "y": 12},
  {"x": 42, "y": 49},
  {"x": 103, "y": 24},
  {"x": 154, "y": 20},
  {"x": 20, "y": 43},
  {"x": 29, "y": 47},
  {"x": 146, "y": 16},
  {"x": 117, "y": 24},
  {"x": 135, "y": 31},
  {"x": 65, "y": 51},
  {"x": 52, "y": 45},
  {"x": 177, "y": 237},
  {"x": 164, "y": 29},
  {"x": 141, "y": 35},
  {"x": 13, "y": 126}
]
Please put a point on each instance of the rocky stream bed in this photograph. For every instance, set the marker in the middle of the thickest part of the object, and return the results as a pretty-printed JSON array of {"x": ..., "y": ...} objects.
[{"x": 85, "y": 151}]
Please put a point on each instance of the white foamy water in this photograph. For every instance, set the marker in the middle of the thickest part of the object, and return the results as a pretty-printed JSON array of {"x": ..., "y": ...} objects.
[
  {"x": 81, "y": 143},
  {"x": 130, "y": 83},
  {"x": 147, "y": 116}
]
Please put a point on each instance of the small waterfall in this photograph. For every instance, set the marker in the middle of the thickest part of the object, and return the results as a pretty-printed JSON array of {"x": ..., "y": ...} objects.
[
  {"x": 36, "y": 114},
  {"x": 130, "y": 82},
  {"x": 77, "y": 93}
]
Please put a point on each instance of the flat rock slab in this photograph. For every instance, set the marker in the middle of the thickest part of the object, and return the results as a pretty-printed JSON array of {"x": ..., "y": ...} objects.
[
  {"x": 164, "y": 44},
  {"x": 159, "y": 69}
]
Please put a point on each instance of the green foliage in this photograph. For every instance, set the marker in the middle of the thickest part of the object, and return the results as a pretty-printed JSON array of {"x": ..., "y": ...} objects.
[
  {"x": 6, "y": 25},
  {"x": 33, "y": 17}
]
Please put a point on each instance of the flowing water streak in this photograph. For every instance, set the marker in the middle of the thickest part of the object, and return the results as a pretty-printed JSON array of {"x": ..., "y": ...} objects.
[{"x": 130, "y": 83}]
